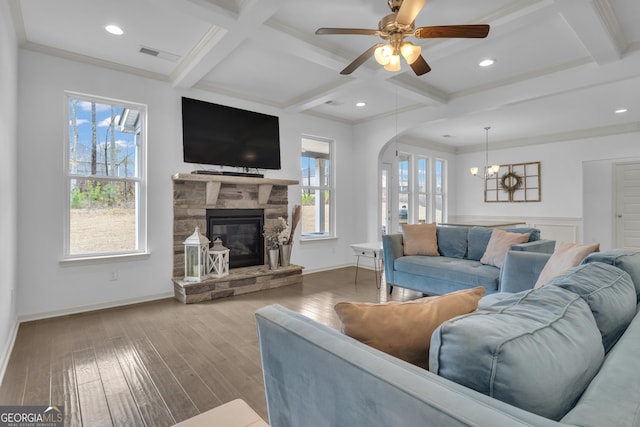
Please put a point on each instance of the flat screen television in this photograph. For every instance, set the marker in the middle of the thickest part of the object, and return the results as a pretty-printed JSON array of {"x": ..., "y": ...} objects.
[{"x": 215, "y": 134}]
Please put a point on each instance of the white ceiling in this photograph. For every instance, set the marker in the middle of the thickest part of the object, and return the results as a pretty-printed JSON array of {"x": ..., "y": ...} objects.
[{"x": 562, "y": 66}]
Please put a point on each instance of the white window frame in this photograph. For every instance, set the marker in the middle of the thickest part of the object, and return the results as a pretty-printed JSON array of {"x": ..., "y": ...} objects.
[
  {"x": 140, "y": 180},
  {"x": 413, "y": 205},
  {"x": 427, "y": 189},
  {"x": 443, "y": 189},
  {"x": 330, "y": 187}
]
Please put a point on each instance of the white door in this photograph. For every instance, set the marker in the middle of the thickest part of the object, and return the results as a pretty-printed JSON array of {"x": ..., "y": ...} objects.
[{"x": 627, "y": 208}]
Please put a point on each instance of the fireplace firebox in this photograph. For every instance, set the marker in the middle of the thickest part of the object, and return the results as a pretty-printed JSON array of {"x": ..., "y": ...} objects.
[{"x": 241, "y": 230}]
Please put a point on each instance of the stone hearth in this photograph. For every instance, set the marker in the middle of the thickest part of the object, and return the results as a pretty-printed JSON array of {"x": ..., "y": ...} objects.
[
  {"x": 239, "y": 281},
  {"x": 192, "y": 196}
]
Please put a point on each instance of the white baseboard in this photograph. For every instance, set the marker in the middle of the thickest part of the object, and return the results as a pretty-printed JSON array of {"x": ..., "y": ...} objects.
[
  {"x": 6, "y": 353},
  {"x": 92, "y": 307},
  {"x": 319, "y": 270}
]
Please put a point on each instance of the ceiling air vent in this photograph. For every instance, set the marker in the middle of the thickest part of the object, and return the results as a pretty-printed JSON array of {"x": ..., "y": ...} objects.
[
  {"x": 159, "y": 54},
  {"x": 148, "y": 51},
  {"x": 333, "y": 103}
]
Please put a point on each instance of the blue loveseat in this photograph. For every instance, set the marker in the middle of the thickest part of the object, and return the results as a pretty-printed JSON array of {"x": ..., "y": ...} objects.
[
  {"x": 458, "y": 267},
  {"x": 562, "y": 355}
]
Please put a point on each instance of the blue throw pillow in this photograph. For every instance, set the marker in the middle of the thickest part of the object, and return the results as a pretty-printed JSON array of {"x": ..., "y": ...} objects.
[
  {"x": 479, "y": 239},
  {"x": 452, "y": 241}
]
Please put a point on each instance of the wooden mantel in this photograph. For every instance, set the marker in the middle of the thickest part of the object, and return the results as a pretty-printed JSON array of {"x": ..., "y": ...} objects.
[{"x": 215, "y": 181}]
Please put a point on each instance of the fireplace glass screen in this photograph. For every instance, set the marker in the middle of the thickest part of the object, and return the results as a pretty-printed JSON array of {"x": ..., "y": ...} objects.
[{"x": 241, "y": 231}]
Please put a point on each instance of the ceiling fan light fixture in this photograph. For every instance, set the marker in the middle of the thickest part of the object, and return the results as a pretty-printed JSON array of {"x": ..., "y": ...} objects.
[
  {"x": 410, "y": 52},
  {"x": 383, "y": 54},
  {"x": 394, "y": 63}
]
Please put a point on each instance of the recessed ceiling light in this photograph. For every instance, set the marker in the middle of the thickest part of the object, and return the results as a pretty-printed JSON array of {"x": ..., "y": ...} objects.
[
  {"x": 621, "y": 110},
  {"x": 487, "y": 62},
  {"x": 360, "y": 104},
  {"x": 114, "y": 29}
]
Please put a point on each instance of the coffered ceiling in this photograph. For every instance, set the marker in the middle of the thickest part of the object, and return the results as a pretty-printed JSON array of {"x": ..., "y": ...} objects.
[{"x": 562, "y": 66}]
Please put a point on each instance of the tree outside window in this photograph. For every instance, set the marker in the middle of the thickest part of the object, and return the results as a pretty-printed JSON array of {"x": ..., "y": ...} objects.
[{"x": 104, "y": 173}]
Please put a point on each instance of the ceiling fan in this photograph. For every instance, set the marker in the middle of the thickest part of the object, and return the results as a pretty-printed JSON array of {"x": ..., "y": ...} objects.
[{"x": 394, "y": 28}]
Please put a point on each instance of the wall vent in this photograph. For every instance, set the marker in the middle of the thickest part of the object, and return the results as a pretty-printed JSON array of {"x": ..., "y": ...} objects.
[{"x": 159, "y": 54}]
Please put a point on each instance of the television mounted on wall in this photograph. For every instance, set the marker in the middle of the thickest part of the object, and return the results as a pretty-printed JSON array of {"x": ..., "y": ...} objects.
[{"x": 214, "y": 134}]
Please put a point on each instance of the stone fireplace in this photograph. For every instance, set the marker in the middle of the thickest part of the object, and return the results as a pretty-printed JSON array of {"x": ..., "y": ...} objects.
[{"x": 233, "y": 208}]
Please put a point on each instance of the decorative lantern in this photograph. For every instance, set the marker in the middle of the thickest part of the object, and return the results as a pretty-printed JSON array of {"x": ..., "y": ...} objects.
[
  {"x": 218, "y": 259},
  {"x": 195, "y": 257}
]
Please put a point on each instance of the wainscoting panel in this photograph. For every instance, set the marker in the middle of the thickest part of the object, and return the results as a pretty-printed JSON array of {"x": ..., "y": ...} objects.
[{"x": 560, "y": 229}]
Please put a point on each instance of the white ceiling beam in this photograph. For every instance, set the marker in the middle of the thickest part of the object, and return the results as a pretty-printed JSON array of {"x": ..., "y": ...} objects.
[
  {"x": 202, "y": 58},
  {"x": 595, "y": 24}
]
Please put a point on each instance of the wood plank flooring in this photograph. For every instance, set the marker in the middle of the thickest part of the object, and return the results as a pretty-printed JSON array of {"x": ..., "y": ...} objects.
[{"x": 159, "y": 363}]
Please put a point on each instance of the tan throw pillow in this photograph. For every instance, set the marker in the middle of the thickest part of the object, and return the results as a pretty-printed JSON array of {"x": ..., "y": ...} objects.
[
  {"x": 404, "y": 329},
  {"x": 565, "y": 256},
  {"x": 420, "y": 239},
  {"x": 499, "y": 244}
]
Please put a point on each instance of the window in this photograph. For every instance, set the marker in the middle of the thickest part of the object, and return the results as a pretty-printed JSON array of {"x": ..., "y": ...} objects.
[
  {"x": 440, "y": 193},
  {"x": 423, "y": 193},
  {"x": 104, "y": 172},
  {"x": 404, "y": 199},
  {"x": 421, "y": 190},
  {"x": 317, "y": 188}
]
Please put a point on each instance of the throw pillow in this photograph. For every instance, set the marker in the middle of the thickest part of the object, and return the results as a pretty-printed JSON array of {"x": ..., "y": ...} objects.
[
  {"x": 420, "y": 239},
  {"x": 565, "y": 256},
  {"x": 499, "y": 244},
  {"x": 403, "y": 329}
]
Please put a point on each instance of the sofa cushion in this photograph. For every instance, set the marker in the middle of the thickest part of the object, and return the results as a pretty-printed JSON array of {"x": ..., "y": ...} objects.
[
  {"x": 626, "y": 260},
  {"x": 499, "y": 244},
  {"x": 463, "y": 271},
  {"x": 613, "y": 395},
  {"x": 565, "y": 255},
  {"x": 420, "y": 239},
  {"x": 537, "y": 350},
  {"x": 478, "y": 238},
  {"x": 610, "y": 294},
  {"x": 452, "y": 241},
  {"x": 403, "y": 329}
]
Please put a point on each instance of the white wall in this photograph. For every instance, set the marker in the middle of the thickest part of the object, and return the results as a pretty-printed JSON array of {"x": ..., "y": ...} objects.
[
  {"x": 47, "y": 287},
  {"x": 8, "y": 188},
  {"x": 563, "y": 189}
]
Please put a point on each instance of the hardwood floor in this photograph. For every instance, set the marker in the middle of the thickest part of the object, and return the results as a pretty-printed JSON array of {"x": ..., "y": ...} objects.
[{"x": 158, "y": 363}]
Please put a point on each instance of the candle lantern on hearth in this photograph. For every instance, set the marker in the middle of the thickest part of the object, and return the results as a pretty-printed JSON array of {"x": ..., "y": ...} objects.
[
  {"x": 195, "y": 257},
  {"x": 218, "y": 259}
]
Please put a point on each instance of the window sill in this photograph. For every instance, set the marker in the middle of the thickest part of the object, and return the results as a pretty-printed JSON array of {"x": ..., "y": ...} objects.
[
  {"x": 103, "y": 259},
  {"x": 317, "y": 238}
]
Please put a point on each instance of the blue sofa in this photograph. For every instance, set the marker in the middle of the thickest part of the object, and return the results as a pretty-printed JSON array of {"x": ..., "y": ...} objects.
[
  {"x": 562, "y": 355},
  {"x": 458, "y": 267}
]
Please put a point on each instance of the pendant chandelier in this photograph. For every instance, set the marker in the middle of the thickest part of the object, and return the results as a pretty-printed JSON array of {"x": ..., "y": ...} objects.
[{"x": 488, "y": 171}]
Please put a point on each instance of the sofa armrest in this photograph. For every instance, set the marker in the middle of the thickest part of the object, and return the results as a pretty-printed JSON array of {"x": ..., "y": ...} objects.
[
  {"x": 520, "y": 270},
  {"x": 542, "y": 246},
  {"x": 392, "y": 249},
  {"x": 316, "y": 376}
]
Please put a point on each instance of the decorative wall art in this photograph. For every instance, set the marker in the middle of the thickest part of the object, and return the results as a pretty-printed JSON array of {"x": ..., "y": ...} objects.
[{"x": 516, "y": 182}]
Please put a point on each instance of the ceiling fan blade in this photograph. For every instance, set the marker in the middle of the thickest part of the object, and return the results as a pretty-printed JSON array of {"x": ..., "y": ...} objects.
[
  {"x": 361, "y": 31},
  {"x": 420, "y": 66},
  {"x": 361, "y": 59},
  {"x": 453, "y": 31},
  {"x": 409, "y": 10}
]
